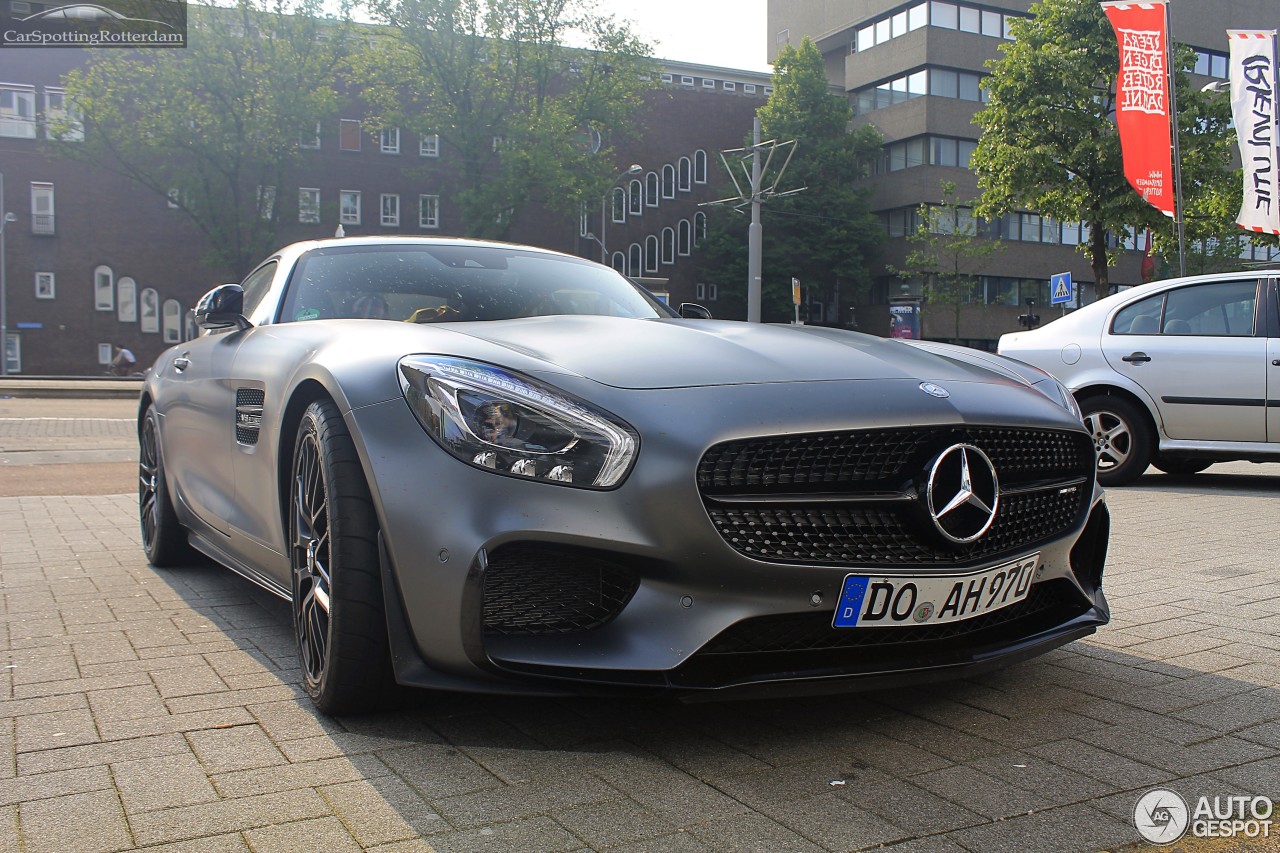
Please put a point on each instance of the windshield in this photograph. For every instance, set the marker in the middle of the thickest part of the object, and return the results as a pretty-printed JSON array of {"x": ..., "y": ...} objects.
[{"x": 458, "y": 283}]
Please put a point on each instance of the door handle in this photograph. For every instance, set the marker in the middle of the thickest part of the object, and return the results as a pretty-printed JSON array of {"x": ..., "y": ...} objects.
[
  {"x": 1275, "y": 362},
  {"x": 181, "y": 363},
  {"x": 1137, "y": 358}
]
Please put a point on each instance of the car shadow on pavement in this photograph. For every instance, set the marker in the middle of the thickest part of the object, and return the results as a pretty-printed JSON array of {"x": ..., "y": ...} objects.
[{"x": 1047, "y": 755}]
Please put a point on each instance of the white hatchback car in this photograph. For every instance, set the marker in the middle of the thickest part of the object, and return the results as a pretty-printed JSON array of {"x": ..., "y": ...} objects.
[{"x": 1178, "y": 374}]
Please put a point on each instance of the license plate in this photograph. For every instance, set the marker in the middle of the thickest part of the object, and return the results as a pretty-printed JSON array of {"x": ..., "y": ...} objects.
[{"x": 882, "y": 601}]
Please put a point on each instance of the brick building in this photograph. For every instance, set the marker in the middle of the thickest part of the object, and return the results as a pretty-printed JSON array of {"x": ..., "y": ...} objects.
[{"x": 93, "y": 259}]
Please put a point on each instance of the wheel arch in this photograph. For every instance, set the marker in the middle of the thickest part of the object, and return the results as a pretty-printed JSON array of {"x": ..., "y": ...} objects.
[
  {"x": 306, "y": 393},
  {"x": 1093, "y": 391}
]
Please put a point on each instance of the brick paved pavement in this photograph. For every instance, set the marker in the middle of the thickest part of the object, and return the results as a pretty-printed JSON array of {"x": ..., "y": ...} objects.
[{"x": 160, "y": 709}]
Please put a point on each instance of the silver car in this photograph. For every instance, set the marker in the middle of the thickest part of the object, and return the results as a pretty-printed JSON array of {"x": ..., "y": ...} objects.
[
  {"x": 477, "y": 466},
  {"x": 1178, "y": 374}
]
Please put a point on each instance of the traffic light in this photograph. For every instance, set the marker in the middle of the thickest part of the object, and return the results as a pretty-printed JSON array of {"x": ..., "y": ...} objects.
[{"x": 1029, "y": 320}]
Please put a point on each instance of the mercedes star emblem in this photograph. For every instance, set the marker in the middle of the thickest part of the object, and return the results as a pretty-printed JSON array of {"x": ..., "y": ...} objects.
[
  {"x": 934, "y": 390},
  {"x": 963, "y": 493}
]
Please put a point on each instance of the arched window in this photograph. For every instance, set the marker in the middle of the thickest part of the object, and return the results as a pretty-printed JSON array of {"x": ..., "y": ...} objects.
[
  {"x": 651, "y": 189},
  {"x": 668, "y": 181},
  {"x": 651, "y": 253},
  {"x": 127, "y": 300},
  {"x": 619, "y": 262},
  {"x": 684, "y": 237},
  {"x": 619, "y": 205},
  {"x": 150, "y": 318},
  {"x": 699, "y": 166},
  {"x": 104, "y": 289},
  {"x": 635, "y": 198},
  {"x": 699, "y": 227},
  {"x": 668, "y": 245},
  {"x": 635, "y": 260},
  {"x": 172, "y": 321},
  {"x": 685, "y": 175}
]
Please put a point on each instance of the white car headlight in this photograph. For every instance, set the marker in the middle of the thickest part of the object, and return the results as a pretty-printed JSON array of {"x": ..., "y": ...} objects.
[
  {"x": 515, "y": 425},
  {"x": 1053, "y": 388}
]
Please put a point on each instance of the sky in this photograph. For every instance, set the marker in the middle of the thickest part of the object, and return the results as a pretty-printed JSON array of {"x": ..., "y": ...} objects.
[{"x": 728, "y": 33}]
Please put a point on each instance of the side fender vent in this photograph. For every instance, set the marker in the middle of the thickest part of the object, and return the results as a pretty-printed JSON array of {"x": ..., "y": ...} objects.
[{"x": 248, "y": 415}]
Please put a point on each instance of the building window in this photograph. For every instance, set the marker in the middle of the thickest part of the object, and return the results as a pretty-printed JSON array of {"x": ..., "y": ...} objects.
[
  {"x": 429, "y": 211},
  {"x": 668, "y": 181},
  {"x": 619, "y": 262},
  {"x": 666, "y": 78},
  {"x": 309, "y": 205},
  {"x": 41, "y": 208},
  {"x": 104, "y": 289},
  {"x": 699, "y": 227},
  {"x": 172, "y": 321},
  {"x": 700, "y": 166},
  {"x": 266, "y": 203},
  {"x": 349, "y": 207},
  {"x": 45, "y": 286},
  {"x": 390, "y": 209},
  {"x": 651, "y": 253},
  {"x": 61, "y": 119},
  {"x": 708, "y": 83},
  {"x": 635, "y": 198},
  {"x": 713, "y": 292},
  {"x": 668, "y": 245},
  {"x": 174, "y": 198},
  {"x": 684, "y": 237},
  {"x": 684, "y": 175},
  {"x": 429, "y": 146},
  {"x": 730, "y": 86},
  {"x": 150, "y": 319},
  {"x": 126, "y": 300},
  {"x": 389, "y": 140},
  {"x": 749, "y": 88},
  {"x": 651, "y": 189},
  {"x": 635, "y": 260},
  {"x": 349, "y": 134},
  {"x": 18, "y": 111},
  {"x": 686, "y": 81},
  {"x": 310, "y": 141},
  {"x": 700, "y": 291}
]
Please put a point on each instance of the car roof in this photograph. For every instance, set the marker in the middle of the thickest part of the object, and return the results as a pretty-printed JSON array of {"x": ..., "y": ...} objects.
[{"x": 294, "y": 250}]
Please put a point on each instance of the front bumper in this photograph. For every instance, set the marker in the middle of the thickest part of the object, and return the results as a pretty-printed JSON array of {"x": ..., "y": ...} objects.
[{"x": 695, "y": 598}]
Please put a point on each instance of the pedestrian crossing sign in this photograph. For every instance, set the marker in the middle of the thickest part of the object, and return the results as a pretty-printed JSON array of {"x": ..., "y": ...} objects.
[{"x": 1060, "y": 288}]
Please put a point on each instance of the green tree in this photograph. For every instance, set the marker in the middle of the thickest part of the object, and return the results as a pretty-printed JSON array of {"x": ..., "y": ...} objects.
[
  {"x": 522, "y": 112},
  {"x": 1049, "y": 141},
  {"x": 215, "y": 127},
  {"x": 825, "y": 235},
  {"x": 947, "y": 253}
]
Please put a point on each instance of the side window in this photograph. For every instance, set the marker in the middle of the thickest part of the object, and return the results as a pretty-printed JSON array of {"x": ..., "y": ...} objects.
[
  {"x": 1225, "y": 308},
  {"x": 256, "y": 286},
  {"x": 1140, "y": 318}
]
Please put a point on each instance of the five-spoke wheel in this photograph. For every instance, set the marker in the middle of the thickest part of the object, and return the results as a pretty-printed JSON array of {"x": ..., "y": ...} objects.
[
  {"x": 1120, "y": 436},
  {"x": 164, "y": 540}
]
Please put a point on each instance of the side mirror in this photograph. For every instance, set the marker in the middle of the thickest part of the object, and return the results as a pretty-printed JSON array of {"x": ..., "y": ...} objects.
[
  {"x": 222, "y": 308},
  {"x": 694, "y": 311}
]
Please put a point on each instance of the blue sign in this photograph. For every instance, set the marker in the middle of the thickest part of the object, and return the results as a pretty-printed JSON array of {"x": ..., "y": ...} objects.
[
  {"x": 31, "y": 325},
  {"x": 1060, "y": 288}
]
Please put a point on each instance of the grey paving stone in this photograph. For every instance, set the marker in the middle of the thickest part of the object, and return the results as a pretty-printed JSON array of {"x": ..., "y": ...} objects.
[
  {"x": 616, "y": 822},
  {"x": 1065, "y": 830},
  {"x": 162, "y": 782},
  {"x": 59, "y": 783},
  {"x": 327, "y": 834},
  {"x": 236, "y": 748},
  {"x": 537, "y": 835},
  {"x": 382, "y": 810},
  {"x": 837, "y": 824},
  {"x": 86, "y": 823},
  {"x": 981, "y": 793},
  {"x": 525, "y": 800},
  {"x": 223, "y": 816}
]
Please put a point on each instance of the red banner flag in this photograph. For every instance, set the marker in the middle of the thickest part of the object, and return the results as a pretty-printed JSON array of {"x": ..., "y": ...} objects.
[{"x": 1142, "y": 99}]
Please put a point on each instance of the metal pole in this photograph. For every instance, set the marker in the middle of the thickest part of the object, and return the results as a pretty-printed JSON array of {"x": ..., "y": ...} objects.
[
  {"x": 754, "y": 241},
  {"x": 4, "y": 308},
  {"x": 604, "y": 253},
  {"x": 1179, "y": 215}
]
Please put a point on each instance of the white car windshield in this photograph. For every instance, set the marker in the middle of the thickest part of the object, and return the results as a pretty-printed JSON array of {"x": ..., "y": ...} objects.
[{"x": 459, "y": 283}]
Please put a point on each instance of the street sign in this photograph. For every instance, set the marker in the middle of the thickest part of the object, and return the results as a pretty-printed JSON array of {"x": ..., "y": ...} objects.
[
  {"x": 795, "y": 291},
  {"x": 1060, "y": 288}
]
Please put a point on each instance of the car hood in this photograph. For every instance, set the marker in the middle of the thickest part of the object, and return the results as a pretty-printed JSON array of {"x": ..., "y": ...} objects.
[{"x": 650, "y": 354}]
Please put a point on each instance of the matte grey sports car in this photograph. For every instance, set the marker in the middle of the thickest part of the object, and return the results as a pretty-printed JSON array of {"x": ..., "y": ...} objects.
[{"x": 488, "y": 467}]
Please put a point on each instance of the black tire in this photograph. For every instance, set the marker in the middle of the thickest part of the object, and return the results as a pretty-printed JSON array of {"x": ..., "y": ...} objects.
[
  {"x": 1180, "y": 467},
  {"x": 338, "y": 615},
  {"x": 164, "y": 539},
  {"x": 1121, "y": 436}
]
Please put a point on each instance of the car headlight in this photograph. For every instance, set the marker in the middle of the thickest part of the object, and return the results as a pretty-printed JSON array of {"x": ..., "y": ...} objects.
[
  {"x": 1061, "y": 394},
  {"x": 511, "y": 424}
]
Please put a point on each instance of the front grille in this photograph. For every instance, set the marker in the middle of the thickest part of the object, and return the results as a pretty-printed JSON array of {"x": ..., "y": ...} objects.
[
  {"x": 757, "y": 494},
  {"x": 531, "y": 588}
]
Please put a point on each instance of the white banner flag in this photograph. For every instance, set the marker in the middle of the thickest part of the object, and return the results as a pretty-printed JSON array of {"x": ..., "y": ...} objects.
[{"x": 1253, "y": 107}]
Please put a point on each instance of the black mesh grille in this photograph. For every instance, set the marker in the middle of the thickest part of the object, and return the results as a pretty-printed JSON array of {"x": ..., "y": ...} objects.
[
  {"x": 1054, "y": 470},
  {"x": 810, "y": 631},
  {"x": 538, "y": 589},
  {"x": 248, "y": 414}
]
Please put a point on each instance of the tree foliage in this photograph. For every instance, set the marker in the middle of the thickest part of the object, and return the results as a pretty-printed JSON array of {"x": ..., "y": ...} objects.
[
  {"x": 947, "y": 253},
  {"x": 519, "y": 91},
  {"x": 825, "y": 235},
  {"x": 214, "y": 126},
  {"x": 1049, "y": 141}
]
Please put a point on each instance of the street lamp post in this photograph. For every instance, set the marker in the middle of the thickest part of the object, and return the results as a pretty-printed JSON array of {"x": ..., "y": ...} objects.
[
  {"x": 5, "y": 219},
  {"x": 633, "y": 169}
]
